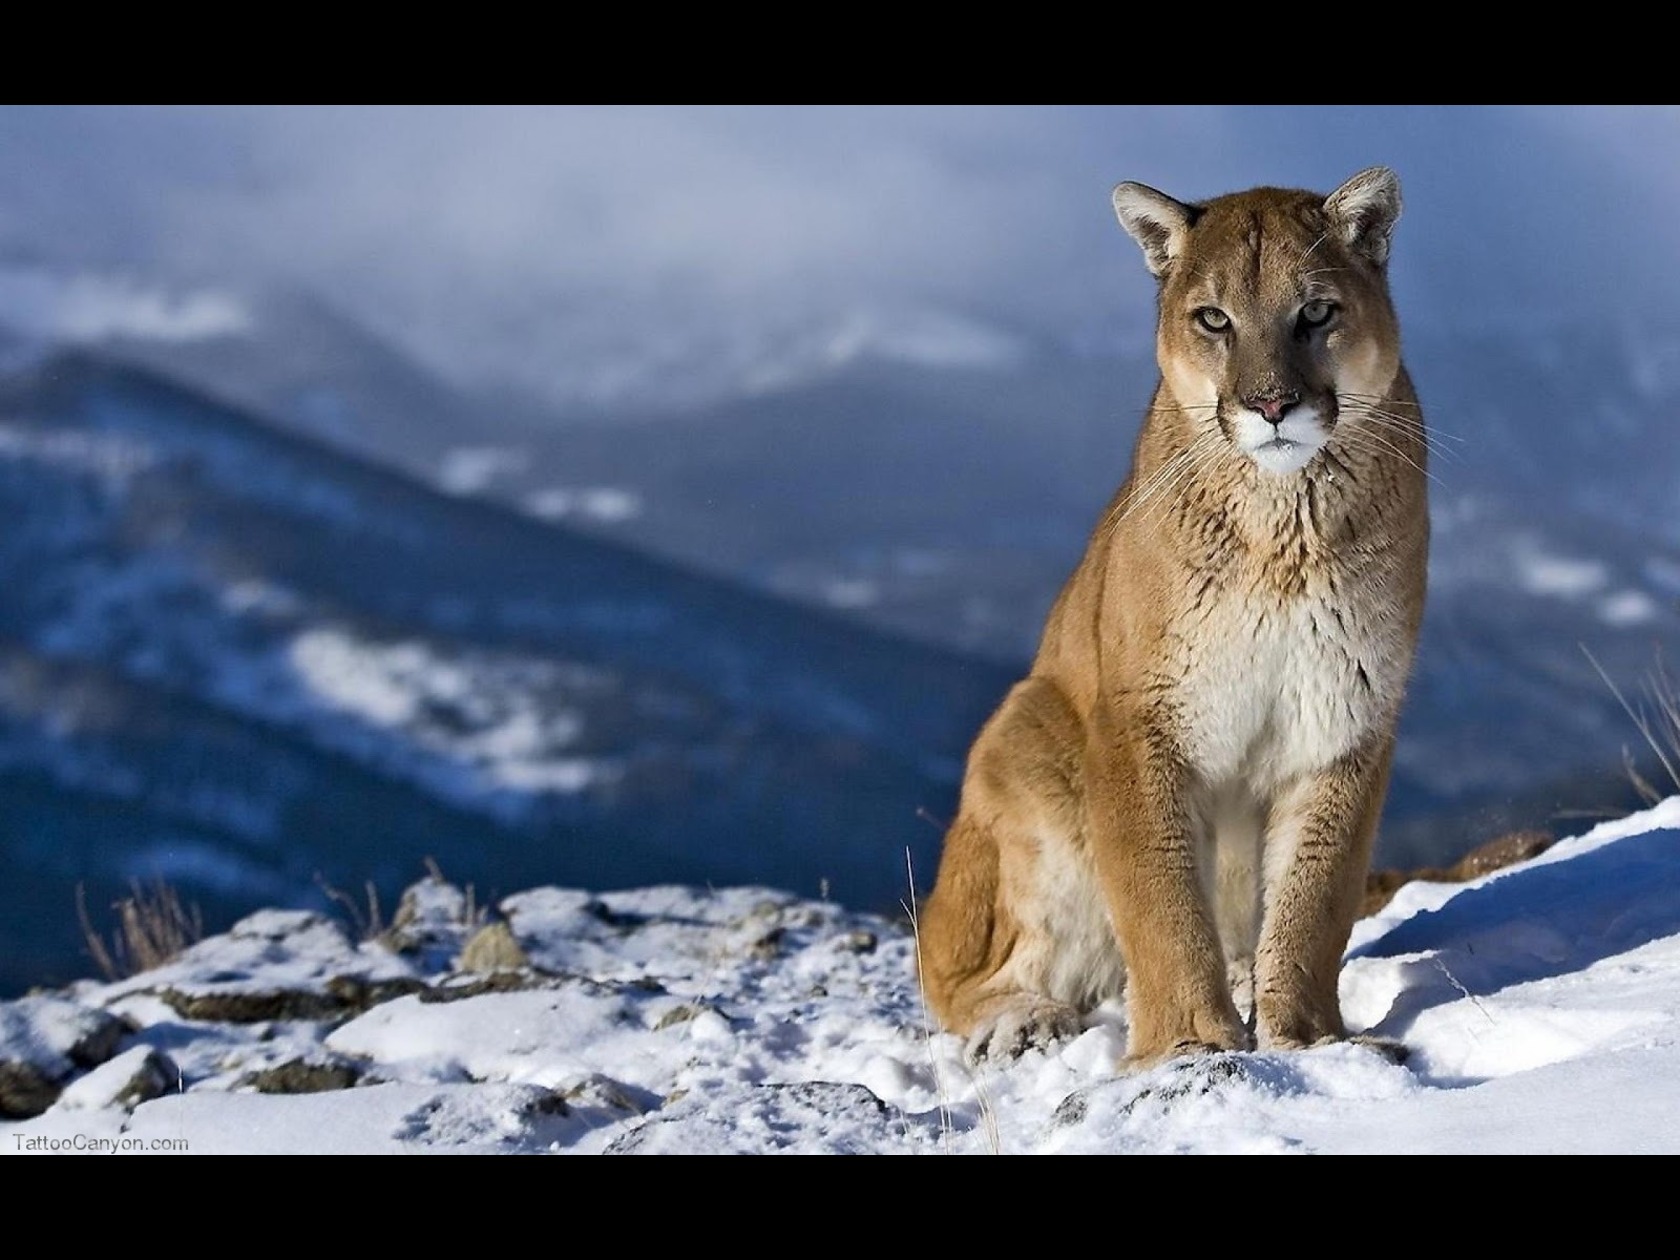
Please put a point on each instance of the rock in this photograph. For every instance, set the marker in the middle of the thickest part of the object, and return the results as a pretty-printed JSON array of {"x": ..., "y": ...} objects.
[
  {"x": 1505, "y": 850},
  {"x": 492, "y": 948},
  {"x": 1496, "y": 854},
  {"x": 250, "y": 1006},
  {"x": 300, "y": 1076},
  {"x": 808, "y": 1117},
  {"x": 362, "y": 993},
  {"x": 280, "y": 965},
  {"x": 25, "y": 1090},
  {"x": 340, "y": 997},
  {"x": 137, "y": 1075},
  {"x": 459, "y": 988},
  {"x": 432, "y": 903},
  {"x": 614, "y": 1098},
  {"x": 1071, "y": 1110},
  {"x": 768, "y": 947},
  {"x": 43, "y": 1040},
  {"x": 513, "y": 1118},
  {"x": 280, "y": 925},
  {"x": 432, "y": 920},
  {"x": 687, "y": 1012},
  {"x": 859, "y": 942}
]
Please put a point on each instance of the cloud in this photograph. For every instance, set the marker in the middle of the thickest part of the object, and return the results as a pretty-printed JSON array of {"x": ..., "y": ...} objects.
[
  {"x": 577, "y": 249},
  {"x": 84, "y": 308}
]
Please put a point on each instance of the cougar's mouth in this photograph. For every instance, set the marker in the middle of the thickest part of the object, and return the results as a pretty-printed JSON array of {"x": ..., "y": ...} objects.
[{"x": 1281, "y": 448}]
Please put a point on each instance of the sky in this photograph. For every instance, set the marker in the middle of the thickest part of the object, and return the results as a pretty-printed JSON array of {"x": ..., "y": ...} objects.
[
  {"x": 505, "y": 246},
  {"x": 1540, "y": 1006}
]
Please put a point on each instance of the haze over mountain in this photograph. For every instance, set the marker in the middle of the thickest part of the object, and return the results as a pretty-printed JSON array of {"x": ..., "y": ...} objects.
[
  {"x": 242, "y": 663},
  {"x": 340, "y": 579}
]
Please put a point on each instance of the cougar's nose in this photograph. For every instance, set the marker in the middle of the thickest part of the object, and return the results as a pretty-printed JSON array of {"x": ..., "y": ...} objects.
[{"x": 1273, "y": 404}]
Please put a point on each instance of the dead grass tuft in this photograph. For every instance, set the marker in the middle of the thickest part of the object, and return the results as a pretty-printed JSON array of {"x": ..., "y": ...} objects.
[
  {"x": 153, "y": 927},
  {"x": 1655, "y": 712},
  {"x": 365, "y": 919}
]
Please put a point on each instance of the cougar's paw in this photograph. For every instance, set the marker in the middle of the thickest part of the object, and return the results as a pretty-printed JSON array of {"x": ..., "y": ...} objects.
[
  {"x": 1031, "y": 1024},
  {"x": 1289, "y": 1027},
  {"x": 1183, "y": 1039},
  {"x": 1148, "y": 1058},
  {"x": 1266, "y": 1042},
  {"x": 1396, "y": 1052}
]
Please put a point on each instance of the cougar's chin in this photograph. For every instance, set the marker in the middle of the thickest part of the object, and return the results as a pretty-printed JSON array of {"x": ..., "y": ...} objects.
[{"x": 1283, "y": 448}]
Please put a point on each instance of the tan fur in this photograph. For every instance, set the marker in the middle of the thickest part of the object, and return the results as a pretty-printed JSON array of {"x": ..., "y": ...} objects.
[{"x": 1179, "y": 800}]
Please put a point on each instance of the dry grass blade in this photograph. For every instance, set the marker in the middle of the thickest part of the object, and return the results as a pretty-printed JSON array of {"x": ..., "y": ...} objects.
[
  {"x": 367, "y": 921},
  {"x": 153, "y": 928},
  {"x": 1659, "y": 727},
  {"x": 946, "y": 1126}
]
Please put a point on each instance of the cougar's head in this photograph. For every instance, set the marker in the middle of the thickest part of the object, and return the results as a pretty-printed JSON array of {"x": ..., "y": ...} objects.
[{"x": 1274, "y": 313}]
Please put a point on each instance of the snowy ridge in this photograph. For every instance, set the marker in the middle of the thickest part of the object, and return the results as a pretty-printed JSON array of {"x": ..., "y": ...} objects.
[
  {"x": 90, "y": 307},
  {"x": 239, "y": 659},
  {"x": 1540, "y": 1005}
]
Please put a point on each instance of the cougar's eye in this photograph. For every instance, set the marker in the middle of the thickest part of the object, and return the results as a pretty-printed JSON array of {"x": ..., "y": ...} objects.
[
  {"x": 1212, "y": 318},
  {"x": 1317, "y": 313}
]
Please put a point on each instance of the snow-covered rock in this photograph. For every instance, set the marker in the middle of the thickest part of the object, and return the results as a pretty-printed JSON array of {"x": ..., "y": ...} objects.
[{"x": 1540, "y": 1005}]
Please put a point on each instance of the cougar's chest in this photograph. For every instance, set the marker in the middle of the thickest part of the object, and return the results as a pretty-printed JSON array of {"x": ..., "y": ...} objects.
[{"x": 1280, "y": 680}]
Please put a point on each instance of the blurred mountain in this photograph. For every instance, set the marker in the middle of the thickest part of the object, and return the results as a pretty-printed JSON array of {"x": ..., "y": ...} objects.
[
  {"x": 235, "y": 659},
  {"x": 324, "y": 374}
]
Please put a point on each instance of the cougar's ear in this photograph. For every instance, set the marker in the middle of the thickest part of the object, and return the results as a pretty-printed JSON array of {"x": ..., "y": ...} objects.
[
  {"x": 1363, "y": 211},
  {"x": 1156, "y": 222}
]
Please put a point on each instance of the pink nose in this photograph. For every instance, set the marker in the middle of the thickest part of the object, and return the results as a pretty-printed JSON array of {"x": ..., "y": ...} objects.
[{"x": 1273, "y": 406}]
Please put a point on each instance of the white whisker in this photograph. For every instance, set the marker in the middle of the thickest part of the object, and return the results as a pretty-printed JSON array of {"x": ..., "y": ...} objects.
[
  {"x": 1207, "y": 453},
  {"x": 1406, "y": 427},
  {"x": 1369, "y": 442},
  {"x": 1171, "y": 476}
]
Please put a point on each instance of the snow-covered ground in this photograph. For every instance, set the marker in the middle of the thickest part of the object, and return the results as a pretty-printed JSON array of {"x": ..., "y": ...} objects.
[{"x": 1541, "y": 1006}]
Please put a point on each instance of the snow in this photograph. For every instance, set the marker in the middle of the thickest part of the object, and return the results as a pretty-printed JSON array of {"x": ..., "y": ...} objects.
[
  {"x": 851, "y": 593},
  {"x": 492, "y": 731},
  {"x": 472, "y": 469},
  {"x": 1540, "y": 1006},
  {"x": 476, "y": 722},
  {"x": 89, "y": 307},
  {"x": 1561, "y": 577},
  {"x": 600, "y": 505},
  {"x": 1628, "y": 608},
  {"x": 933, "y": 338},
  {"x": 111, "y": 458}
]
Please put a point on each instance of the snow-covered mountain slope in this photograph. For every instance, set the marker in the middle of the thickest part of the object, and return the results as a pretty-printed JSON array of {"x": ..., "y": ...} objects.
[
  {"x": 323, "y": 374},
  {"x": 951, "y": 504},
  {"x": 1540, "y": 1006},
  {"x": 264, "y": 660},
  {"x": 947, "y": 499}
]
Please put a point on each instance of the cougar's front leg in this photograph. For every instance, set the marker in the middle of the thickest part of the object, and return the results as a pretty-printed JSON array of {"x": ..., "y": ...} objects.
[
  {"x": 1139, "y": 827},
  {"x": 1318, "y": 849}
]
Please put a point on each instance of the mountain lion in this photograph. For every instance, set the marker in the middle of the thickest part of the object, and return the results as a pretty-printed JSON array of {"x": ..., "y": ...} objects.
[{"x": 1179, "y": 800}]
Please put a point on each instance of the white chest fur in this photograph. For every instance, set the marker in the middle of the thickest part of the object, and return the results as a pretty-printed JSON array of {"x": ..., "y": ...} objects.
[{"x": 1278, "y": 687}]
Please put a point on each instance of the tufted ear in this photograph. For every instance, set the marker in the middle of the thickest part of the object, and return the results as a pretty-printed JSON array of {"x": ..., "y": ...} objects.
[
  {"x": 1156, "y": 222},
  {"x": 1363, "y": 211}
]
